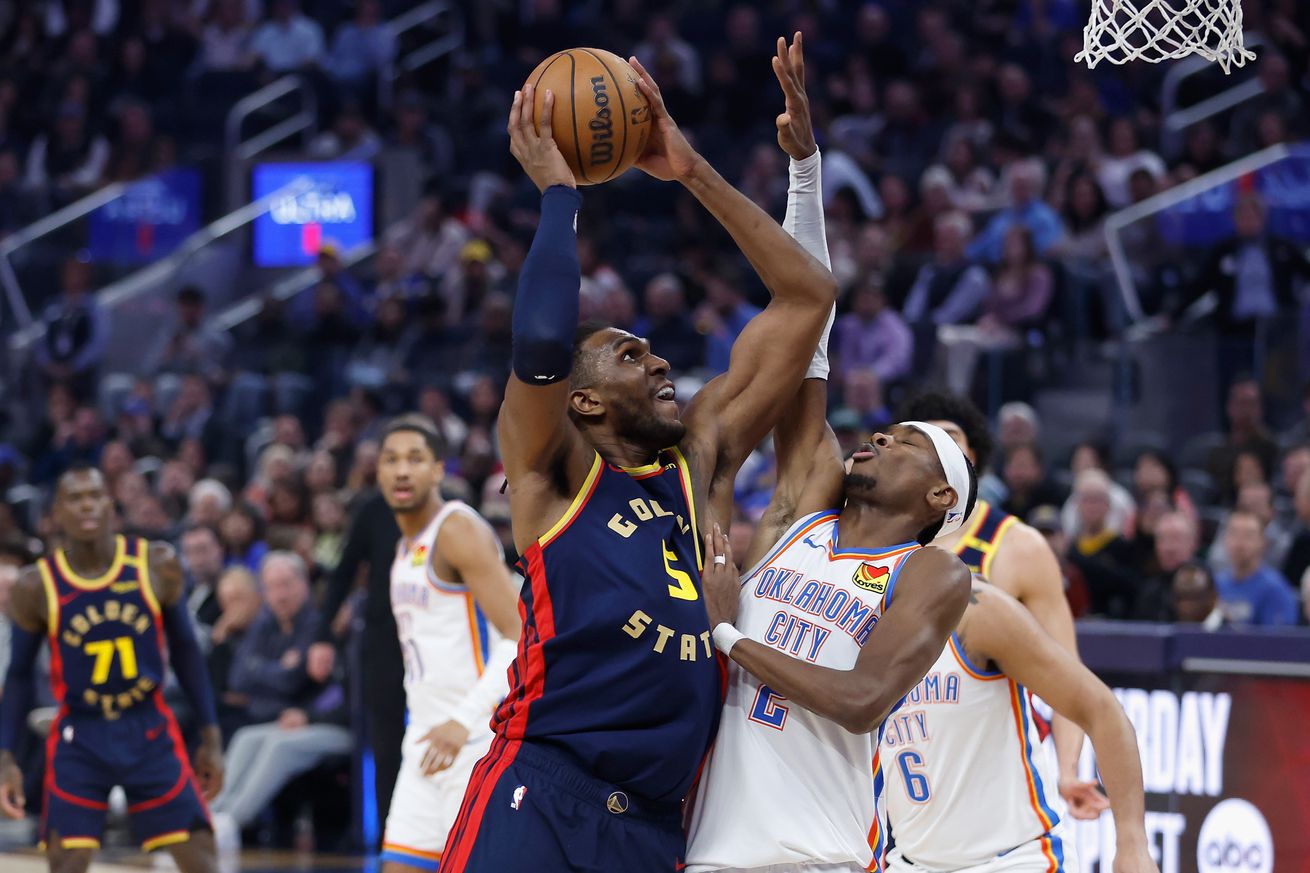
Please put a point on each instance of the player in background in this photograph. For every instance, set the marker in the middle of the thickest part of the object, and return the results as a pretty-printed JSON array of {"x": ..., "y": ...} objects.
[
  {"x": 820, "y": 652},
  {"x": 113, "y": 611},
  {"x": 456, "y": 613},
  {"x": 1015, "y": 558},
  {"x": 616, "y": 690},
  {"x": 968, "y": 783}
]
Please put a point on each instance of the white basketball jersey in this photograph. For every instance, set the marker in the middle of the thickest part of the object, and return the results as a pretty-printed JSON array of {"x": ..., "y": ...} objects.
[
  {"x": 444, "y": 636},
  {"x": 783, "y": 785},
  {"x": 967, "y": 776}
]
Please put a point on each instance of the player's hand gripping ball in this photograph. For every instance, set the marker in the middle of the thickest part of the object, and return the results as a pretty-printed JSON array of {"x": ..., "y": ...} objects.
[{"x": 600, "y": 119}]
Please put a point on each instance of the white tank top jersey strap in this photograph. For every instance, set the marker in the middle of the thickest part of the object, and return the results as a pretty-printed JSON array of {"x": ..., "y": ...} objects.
[
  {"x": 969, "y": 783},
  {"x": 782, "y": 785},
  {"x": 444, "y": 636}
]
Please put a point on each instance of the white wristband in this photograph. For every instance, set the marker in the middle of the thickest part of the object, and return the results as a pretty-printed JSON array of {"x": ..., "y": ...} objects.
[{"x": 726, "y": 636}]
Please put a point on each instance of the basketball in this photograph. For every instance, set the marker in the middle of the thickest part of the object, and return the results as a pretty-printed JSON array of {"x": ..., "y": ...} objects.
[{"x": 601, "y": 120}]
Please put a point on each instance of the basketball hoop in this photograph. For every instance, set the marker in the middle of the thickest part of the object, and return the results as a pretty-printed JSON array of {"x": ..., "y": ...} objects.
[{"x": 1120, "y": 31}]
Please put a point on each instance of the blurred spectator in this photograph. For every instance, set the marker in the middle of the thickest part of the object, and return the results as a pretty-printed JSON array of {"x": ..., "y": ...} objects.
[
  {"x": 1100, "y": 551},
  {"x": 1017, "y": 424},
  {"x": 377, "y": 359},
  {"x": 1176, "y": 542},
  {"x": 1020, "y": 294},
  {"x": 192, "y": 416},
  {"x": 191, "y": 346},
  {"x": 239, "y": 604},
  {"x": 1125, "y": 157},
  {"x": 430, "y": 239},
  {"x": 208, "y": 502},
  {"x": 242, "y": 532},
  {"x": 1195, "y": 598},
  {"x": 1246, "y": 433},
  {"x": 225, "y": 39},
  {"x": 1253, "y": 275},
  {"x": 1201, "y": 152},
  {"x": 872, "y": 335},
  {"x": 294, "y": 726},
  {"x": 723, "y": 315},
  {"x": 1299, "y": 433},
  {"x": 1252, "y": 592},
  {"x": 203, "y": 560},
  {"x": 1278, "y": 96},
  {"x": 133, "y": 152},
  {"x": 1083, "y": 216},
  {"x": 667, "y": 326},
  {"x": 68, "y": 160},
  {"x": 475, "y": 275},
  {"x": 351, "y": 137},
  {"x": 1298, "y": 552},
  {"x": 1305, "y": 597},
  {"x": 862, "y": 396},
  {"x": 288, "y": 41},
  {"x": 1154, "y": 471},
  {"x": 1026, "y": 482},
  {"x": 1092, "y": 455},
  {"x": 950, "y": 288},
  {"x": 76, "y": 330},
  {"x": 81, "y": 442},
  {"x": 361, "y": 48},
  {"x": 412, "y": 130},
  {"x": 665, "y": 50},
  {"x": 1025, "y": 182}
]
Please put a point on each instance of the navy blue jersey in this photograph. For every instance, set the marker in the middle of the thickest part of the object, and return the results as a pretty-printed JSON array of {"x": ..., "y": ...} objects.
[
  {"x": 106, "y": 634},
  {"x": 616, "y": 666}
]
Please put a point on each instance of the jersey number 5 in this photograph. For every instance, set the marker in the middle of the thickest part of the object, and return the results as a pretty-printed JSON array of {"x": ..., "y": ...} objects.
[
  {"x": 916, "y": 784},
  {"x": 685, "y": 589},
  {"x": 768, "y": 709},
  {"x": 103, "y": 652}
]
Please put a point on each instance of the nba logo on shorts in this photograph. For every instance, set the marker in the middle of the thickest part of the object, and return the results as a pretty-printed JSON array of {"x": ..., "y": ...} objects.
[{"x": 518, "y": 796}]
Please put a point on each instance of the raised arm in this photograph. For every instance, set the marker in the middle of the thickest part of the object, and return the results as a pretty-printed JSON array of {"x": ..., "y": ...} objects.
[
  {"x": 538, "y": 442},
  {"x": 28, "y": 613},
  {"x": 188, "y": 664},
  {"x": 732, "y": 414},
  {"x": 809, "y": 458},
  {"x": 997, "y": 628},
  {"x": 931, "y": 594}
]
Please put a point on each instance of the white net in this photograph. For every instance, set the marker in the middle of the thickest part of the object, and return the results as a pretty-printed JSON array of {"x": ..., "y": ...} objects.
[{"x": 1120, "y": 31}]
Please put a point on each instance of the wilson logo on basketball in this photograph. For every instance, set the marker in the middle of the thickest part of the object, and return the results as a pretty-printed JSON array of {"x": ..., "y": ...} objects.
[
  {"x": 602, "y": 126},
  {"x": 871, "y": 578}
]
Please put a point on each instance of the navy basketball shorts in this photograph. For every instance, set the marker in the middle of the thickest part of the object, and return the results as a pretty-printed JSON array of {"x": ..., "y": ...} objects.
[
  {"x": 529, "y": 808},
  {"x": 141, "y": 750}
]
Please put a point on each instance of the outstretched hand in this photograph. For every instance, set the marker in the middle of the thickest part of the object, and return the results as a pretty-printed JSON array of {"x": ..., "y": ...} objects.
[
  {"x": 795, "y": 130},
  {"x": 668, "y": 155},
  {"x": 531, "y": 142},
  {"x": 720, "y": 579}
]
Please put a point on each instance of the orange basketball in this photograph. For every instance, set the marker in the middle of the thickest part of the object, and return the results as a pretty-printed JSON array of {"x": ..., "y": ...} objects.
[{"x": 601, "y": 120}]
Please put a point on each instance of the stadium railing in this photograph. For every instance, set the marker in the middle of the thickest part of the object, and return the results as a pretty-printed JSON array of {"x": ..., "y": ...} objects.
[{"x": 1223, "y": 96}]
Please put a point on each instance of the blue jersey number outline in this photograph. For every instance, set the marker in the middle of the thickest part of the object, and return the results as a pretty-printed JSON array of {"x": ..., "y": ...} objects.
[
  {"x": 916, "y": 783},
  {"x": 768, "y": 709}
]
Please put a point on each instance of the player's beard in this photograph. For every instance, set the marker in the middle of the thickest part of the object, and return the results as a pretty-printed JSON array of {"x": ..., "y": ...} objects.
[
  {"x": 650, "y": 430},
  {"x": 859, "y": 487}
]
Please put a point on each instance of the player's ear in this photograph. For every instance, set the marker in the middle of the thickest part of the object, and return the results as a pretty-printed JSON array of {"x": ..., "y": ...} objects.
[
  {"x": 585, "y": 402},
  {"x": 942, "y": 497}
]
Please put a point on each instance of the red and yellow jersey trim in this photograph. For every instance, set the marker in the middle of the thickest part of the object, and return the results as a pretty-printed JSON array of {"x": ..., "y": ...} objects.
[
  {"x": 579, "y": 501},
  {"x": 171, "y": 838},
  {"x": 108, "y": 577},
  {"x": 689, "y": 492}
]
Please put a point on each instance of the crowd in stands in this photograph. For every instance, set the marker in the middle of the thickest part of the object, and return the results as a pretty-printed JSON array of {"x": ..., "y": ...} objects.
[{"x": 969, "y": 169}]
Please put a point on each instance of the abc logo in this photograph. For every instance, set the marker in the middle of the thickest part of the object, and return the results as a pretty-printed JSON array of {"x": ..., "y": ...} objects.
[{"x": 1234, "y": 838}]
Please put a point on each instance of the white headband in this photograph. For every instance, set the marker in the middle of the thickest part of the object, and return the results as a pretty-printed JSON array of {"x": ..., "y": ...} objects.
[{"x": 956, "y": 468}]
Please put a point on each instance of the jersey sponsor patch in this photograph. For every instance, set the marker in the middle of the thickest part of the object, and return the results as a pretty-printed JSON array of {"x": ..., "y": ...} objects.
[{"x": 871, "y": 578}]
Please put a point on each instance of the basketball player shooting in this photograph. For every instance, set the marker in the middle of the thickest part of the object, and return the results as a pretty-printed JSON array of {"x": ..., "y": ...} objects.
[
  {"x": 615, "y": 693},
  {"x": 110, "y": 607}
]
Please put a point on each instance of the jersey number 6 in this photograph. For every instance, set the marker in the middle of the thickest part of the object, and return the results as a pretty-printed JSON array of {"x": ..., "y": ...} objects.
[
  {"x": 916, "y": 784},
  {"x": 768, "y": 709}
]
